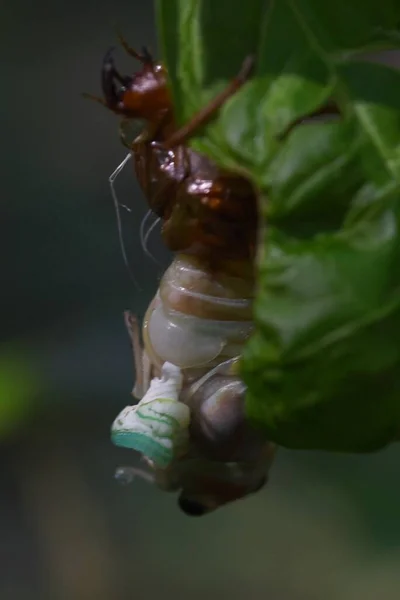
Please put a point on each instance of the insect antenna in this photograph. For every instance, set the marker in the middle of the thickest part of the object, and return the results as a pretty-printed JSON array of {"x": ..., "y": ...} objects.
[{"x": 111, "y": 180}]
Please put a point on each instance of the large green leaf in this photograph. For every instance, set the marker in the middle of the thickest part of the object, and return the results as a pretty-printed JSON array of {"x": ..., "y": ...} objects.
[{"x": 323, "y": 367}]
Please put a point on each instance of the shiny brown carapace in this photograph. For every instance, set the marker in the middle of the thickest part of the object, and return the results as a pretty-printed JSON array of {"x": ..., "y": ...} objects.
[{"x": 205, "y": 211}]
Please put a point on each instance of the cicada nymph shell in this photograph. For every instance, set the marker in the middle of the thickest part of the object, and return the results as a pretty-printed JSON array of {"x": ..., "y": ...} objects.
[{"x": 189, "y": 424}]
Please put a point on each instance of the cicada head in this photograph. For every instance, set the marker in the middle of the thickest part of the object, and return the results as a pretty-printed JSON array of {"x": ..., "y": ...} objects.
[
  {"x": 216, "y": 484},
  {"x": 143, "y": 95},
  {"x": 232, "y": 459},
  {"x": 204, "y": 485}
]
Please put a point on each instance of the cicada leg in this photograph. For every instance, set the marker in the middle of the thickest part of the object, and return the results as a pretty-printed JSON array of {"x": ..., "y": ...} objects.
[
  {"x": 207, "y": 112},
  {"x": 145, "y": 58},
  {"x": 126, "y": 475},
  {"x": 95, "y": 99},
  {"x": 141, "y": 362}
]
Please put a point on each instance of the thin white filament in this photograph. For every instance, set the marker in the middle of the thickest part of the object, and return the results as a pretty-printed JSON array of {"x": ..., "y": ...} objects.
[
  {"x": 147, "y": 237},
  {"x": 143, "y": 225},
  {"x": 111, "y": 180}
]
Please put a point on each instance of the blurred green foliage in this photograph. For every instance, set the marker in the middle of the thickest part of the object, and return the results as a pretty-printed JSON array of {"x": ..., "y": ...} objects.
[{"x": 20, "y": 385}]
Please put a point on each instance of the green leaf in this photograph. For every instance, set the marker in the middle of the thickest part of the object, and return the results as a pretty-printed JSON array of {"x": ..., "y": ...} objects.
[{"x": 323, "y": 367}]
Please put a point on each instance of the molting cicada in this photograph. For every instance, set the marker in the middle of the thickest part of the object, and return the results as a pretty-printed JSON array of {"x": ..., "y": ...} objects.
[{"x": 189, "y": 422}]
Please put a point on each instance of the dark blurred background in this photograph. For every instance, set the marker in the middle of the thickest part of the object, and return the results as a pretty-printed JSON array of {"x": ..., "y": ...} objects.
[{"x": 325, "y": 527}]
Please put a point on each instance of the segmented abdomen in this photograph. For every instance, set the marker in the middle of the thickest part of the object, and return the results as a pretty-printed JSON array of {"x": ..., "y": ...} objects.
[{"x": 199, "y": 317}]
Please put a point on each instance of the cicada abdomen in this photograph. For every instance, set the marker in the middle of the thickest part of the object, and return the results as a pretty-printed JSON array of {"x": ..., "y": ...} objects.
[
  {"x": 190, "y": 424},
  {"x": 200, "y": 316}
]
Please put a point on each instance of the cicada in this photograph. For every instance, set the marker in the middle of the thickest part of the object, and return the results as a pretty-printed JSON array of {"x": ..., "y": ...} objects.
[{"x": 188, "y": 420}]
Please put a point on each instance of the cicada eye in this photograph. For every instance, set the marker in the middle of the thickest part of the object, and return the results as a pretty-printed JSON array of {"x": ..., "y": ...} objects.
[{"x": 192, "y": 508}]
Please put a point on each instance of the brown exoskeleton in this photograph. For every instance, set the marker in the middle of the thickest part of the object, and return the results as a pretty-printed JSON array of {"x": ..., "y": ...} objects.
[
  {"x": 205, "y": 210},
  {"x": 190, "y": 423}
]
